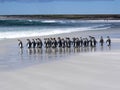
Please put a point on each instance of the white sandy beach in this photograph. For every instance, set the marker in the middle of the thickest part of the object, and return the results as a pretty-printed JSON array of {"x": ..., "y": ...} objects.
[{"x": 98, "y": 70}]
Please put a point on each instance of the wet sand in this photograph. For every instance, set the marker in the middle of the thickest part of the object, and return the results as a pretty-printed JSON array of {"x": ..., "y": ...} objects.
[{"x": 74, "y": 69}]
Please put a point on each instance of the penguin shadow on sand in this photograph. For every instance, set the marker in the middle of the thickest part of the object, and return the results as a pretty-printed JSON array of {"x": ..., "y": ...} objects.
[
  {"x": 68, "y": 50},
  {"x": 76, "y": 49},
  {"x": 29, "y": 51},
  {"x": 54, "y": 51},
  {"x": 21, "y": 51},
  {"x": 93, "y": 49},
  {"x": 85, "y": 49},
  {"x": 39, "y": 51},
  {"x": 33, "y": 51},
  {"x": 60, "y": 50},
  {"x": 108, "y": 48},
  {"x": 48, "y": 50}
]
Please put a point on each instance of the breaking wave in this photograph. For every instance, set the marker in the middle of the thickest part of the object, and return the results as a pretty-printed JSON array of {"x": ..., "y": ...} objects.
[
  {"x": 43, "y": 32},
  {"x": 29, "y": 28}
]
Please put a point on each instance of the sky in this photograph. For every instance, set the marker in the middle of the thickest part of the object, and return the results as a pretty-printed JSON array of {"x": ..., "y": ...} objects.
[{"x": 31, "y": 7}]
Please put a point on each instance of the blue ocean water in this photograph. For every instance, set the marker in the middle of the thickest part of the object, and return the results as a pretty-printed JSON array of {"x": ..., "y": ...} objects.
[{"x": 28, "y": 28}]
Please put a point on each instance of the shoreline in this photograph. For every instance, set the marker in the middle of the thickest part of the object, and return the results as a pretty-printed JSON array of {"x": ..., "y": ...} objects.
[
  {"x": 87, "y": 33},
  {"x": 96, "y": 33}
]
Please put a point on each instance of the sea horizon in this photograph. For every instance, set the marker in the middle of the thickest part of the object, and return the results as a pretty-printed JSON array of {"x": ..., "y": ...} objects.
[{"x": 63, "y": 16}]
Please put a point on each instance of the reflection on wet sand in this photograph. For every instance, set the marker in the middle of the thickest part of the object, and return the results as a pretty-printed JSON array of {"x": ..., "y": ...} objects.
[
  {"x": 43, "y": 55},
  {"x": 39, "y": 50},
  {"x": 21, "y": 51},
  {"x": 66, "y": 50}
]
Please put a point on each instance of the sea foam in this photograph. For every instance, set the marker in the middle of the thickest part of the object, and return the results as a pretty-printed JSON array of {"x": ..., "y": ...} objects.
[{"x": 44, "y": 32}]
